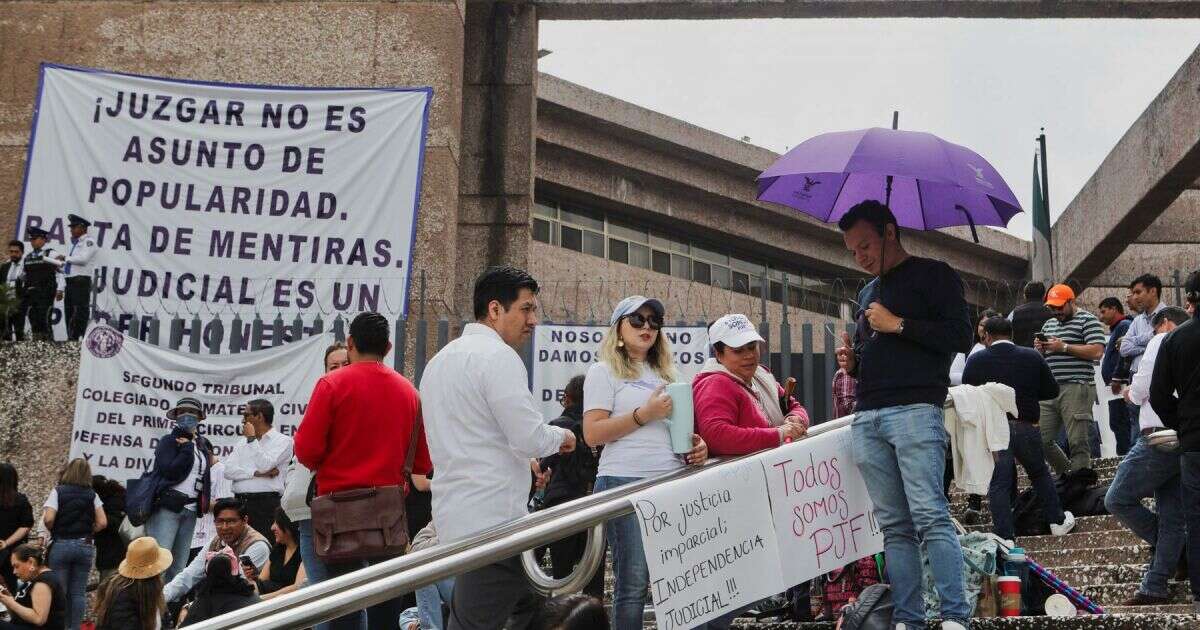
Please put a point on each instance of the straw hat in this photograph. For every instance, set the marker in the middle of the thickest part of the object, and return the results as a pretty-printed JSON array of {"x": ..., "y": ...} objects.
[{"x": 144, "y": 559}]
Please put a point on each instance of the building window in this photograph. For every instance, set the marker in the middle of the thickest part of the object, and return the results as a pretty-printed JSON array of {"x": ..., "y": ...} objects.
[{"x": 623, "y": 241}]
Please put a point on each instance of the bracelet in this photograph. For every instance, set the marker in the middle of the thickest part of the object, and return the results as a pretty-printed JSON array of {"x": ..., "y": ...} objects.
[{"x": 636, "y": 419}]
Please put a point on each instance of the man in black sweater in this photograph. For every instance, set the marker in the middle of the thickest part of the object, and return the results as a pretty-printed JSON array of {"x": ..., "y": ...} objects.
[
  {"x": 1024, "y": 370},
  {"x": 1175, "y": 397},
  {"x": 1028, "y": 318},
  {"x": 912, "y": 319}
]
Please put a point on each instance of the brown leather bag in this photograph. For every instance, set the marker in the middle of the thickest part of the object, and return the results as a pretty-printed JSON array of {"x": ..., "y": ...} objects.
[{"x": 366, "y": 522}]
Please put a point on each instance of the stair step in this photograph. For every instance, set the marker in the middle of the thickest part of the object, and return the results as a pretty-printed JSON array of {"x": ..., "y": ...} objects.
[
  {"x": 1101, "y": 574},
  {"x": 1116, "y": 594},
  {"x": 1174, "y": 609},
  {"x": 1108, "y": 538},
  {"x": 1126, "y": 554},
  {"x": 1126, "y": 621},
  {"x": 1082, "y": 524}
]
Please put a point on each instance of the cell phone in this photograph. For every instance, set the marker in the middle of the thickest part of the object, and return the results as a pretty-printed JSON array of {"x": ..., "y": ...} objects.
[
  {"x": 246, "y": 561},
  {"x": 1040, "y": 337}
]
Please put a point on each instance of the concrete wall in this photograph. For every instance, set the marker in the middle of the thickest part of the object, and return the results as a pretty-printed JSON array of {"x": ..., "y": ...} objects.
[
  {"x": 352, "y": 43},
  {"x": 37, "y": 405}
]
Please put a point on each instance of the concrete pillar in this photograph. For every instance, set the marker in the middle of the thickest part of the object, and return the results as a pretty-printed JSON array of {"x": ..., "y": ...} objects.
[{"x": 499, "y": 108}]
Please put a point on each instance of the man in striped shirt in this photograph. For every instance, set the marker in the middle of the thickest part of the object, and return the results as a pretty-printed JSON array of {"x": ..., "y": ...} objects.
[{"x": 1072, "y": 341}]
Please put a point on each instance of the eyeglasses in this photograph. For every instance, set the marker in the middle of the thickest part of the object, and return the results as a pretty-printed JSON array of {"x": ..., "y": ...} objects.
[{"x": 637, "y": 320}]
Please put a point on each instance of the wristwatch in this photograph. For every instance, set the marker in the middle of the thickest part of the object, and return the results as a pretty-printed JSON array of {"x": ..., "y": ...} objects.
[{"x": 900, "y": 328}]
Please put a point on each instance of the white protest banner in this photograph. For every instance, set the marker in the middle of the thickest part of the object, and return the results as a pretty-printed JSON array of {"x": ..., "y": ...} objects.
[
  {"x": 231, "y": 199},
  {"x": 709, "y": 544},
  {"x": 126, "y": 386},
  {"x": 820, "y": 505},
  {"x": 561, "y": 352}
]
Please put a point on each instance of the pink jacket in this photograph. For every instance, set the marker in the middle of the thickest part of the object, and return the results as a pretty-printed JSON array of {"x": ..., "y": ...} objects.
[{"x": 730, "y": 420}]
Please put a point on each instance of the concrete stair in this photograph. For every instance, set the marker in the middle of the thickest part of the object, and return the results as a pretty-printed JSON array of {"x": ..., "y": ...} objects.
[{"x": 1099, "y": 557}]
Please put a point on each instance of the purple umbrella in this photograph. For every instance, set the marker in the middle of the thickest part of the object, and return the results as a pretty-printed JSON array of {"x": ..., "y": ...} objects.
[{"x": 927, "y": 182}]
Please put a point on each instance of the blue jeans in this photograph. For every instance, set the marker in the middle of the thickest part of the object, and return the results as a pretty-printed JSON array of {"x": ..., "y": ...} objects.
[
  {"x": 1190, "y": 475},
  {"x": 630, "y": 575},
  {"x": 429, "y": 603},
  {"x": 71, "y": 559},
  {"x": 1134, "y": 413},
  {"x": 173, "y": 532},
  {"x": 314, "y": 569},
  {"x": 901, "y": 453},
  {"x": 1024, "y": 445},
  {"x": 1148, "y": 472}
]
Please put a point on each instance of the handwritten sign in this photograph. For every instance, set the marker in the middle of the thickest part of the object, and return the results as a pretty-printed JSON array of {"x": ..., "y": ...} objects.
[
  {"x": 819, "y": 503},
  {"x": 709, "y": 543}
]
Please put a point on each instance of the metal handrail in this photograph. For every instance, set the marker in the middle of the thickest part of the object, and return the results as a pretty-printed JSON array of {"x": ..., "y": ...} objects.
[{"x": 378, "y": 583}]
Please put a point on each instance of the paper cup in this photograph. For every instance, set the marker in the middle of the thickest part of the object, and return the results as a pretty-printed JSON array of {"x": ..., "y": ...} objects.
[
  {"x": 1010, "y": 595},
  {"x": 1058, "y": 605}
]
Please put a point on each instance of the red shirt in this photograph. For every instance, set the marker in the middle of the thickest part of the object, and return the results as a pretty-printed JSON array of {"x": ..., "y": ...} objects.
[{"x": 356, "y": 429}]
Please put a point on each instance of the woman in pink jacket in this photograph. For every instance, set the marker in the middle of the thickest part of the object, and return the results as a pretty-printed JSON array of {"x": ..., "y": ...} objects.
[{"x": 739, "y": 406}]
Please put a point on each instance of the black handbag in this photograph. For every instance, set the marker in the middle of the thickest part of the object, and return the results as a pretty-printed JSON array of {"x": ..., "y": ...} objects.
[
  {"x": 871, "y": 611},
  {"x": 173, "y": 500}
]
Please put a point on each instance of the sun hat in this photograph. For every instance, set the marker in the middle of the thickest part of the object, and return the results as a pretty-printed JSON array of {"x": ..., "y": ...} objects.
[
  {"x": 186, "y": 403},
  {"x": 1059, "y": 294},
  {"x": 631, "y": 304},
  {"x": 733, "y": 330},
  {"x": 144, "y": 559}
]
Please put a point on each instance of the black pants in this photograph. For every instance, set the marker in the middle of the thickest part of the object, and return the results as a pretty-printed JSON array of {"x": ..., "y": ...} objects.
[
  {"x": 40, "y": 302},
  {"x": 12, "y": 326},
  {"x": 77, "y": 305},
  {"x": 565, "y": 554},
  {"x": 260, "y": 510},
  {"x": 385, "y": 614},
  {"x": 486, "y": 597}
]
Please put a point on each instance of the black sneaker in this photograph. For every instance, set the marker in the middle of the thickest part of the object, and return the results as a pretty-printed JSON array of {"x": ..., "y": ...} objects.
[{"x": 972, "y": 517}]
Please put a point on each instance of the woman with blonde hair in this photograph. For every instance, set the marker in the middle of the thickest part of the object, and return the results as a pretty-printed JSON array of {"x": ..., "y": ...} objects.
[
  {"x": 73, "y": 513},
  {"x": 132, "y": 599},
  {"x": 624, "y": 405}
]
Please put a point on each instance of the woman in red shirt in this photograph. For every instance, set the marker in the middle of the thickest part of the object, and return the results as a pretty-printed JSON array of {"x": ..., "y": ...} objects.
[{"x": 739, "y": 406}]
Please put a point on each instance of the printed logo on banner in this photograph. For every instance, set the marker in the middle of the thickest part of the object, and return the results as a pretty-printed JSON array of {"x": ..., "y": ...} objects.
[{"x": 104, "y": 342}]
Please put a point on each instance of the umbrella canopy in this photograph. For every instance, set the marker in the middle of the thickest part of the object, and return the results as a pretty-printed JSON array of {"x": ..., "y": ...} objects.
[{"x": 933, "y": 183}]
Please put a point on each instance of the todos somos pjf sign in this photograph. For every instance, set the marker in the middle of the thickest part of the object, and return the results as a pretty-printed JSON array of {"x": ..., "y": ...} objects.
[
  {"x": 561, "y": 352},
  {"x": 230, "y": 199}
]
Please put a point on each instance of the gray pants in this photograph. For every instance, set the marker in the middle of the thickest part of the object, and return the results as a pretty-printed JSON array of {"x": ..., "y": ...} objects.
[
  {"x": 485, "y": 598},
  {"x": 1073, "y": 408}
]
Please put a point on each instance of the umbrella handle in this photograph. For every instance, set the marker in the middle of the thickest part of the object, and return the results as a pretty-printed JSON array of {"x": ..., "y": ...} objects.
[{"x": 970, "y": 221}]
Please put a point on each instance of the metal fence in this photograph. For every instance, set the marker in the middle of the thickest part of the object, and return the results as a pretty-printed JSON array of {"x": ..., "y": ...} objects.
[{"x": 800, "y": 338}]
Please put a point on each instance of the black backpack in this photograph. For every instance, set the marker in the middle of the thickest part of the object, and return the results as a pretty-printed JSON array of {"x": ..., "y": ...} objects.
[
  {"x": 871, "y": 611},
  {"x": 1027, "y": 515}
]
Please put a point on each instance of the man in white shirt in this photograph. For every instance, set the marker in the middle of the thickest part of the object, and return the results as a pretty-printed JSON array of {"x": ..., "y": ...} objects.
[
  {"x": 1148, "y": 472},
  {"x": 483, "y": 427},
  {"x": 256, "y": 467},
  {"x": 77, "y": 269}
]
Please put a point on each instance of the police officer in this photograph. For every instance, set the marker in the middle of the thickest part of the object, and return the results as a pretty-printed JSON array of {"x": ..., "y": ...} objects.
[
  {"x": 77, "y": 268},
  {"x": 42, "y": 283}
]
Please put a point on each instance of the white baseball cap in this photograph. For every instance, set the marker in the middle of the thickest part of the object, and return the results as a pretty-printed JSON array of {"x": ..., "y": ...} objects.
[{"x": 734, "y": 330}]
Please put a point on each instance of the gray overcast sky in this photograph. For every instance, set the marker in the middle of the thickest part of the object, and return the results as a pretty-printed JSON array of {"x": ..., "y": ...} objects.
[{"x": 986, "y": 84}]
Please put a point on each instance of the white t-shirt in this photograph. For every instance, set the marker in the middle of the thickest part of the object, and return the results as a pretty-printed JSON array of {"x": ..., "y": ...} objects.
[
  {"x": 643, "y": 453},
  {"x": 191, "y": 484},
  {"x": 52, "y": 500}
]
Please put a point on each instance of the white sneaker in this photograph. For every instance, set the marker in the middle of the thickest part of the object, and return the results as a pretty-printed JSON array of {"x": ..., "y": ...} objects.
[{"x": 1065, "y": 527}]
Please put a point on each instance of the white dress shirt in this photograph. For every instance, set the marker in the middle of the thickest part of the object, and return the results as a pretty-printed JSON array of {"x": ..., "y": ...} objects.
[
  {"x": 483, "y": 426},
  {"x": 79, "y": 257},
  {"x": 14, "y": 274},
  {"x": 272, "y": 450},
  {"x": 1139, "y": 387}
]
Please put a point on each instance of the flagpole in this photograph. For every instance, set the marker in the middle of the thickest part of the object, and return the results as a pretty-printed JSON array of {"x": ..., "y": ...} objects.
[{"x": 1046, "y": 193}]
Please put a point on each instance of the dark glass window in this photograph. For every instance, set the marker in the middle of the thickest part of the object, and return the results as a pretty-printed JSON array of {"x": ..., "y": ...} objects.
[
  {"x": 618, "y": 251},
  {"x": 542, "y": 231},
  {"x": 701, "y": 272},
  {"x": 639, "y": 256},
  {"x": 662, "y": 262},
  {"x": 681, "y": 266},
  {"x": 572, "y": 238},
  {"x": 593, "y": 243}
]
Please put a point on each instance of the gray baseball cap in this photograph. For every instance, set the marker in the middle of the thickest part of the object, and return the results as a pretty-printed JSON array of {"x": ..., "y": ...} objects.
[{"x": 631, "y": 304}]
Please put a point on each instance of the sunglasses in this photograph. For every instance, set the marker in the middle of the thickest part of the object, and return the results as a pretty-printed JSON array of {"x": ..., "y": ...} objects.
[{"x": 637, "y": 320}]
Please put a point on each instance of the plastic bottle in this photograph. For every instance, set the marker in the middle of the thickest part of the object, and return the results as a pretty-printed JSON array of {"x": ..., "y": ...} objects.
[{"x": 1014, "y": 563}]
